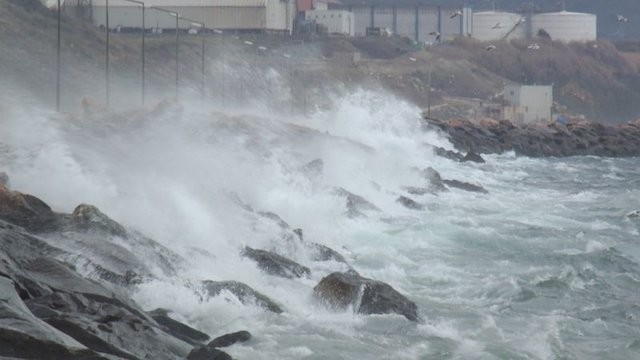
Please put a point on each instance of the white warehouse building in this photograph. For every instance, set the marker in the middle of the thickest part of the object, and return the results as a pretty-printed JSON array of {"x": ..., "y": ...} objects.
[
  {"x": 241, "y": 15},
  {"x": 566, "y": 26}
]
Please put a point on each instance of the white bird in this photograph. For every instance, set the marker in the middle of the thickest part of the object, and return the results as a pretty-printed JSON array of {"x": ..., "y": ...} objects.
[
  {"x": 521, "y": 20},
  {"x": 456, "y": 13},
  {"x": 533, "y": 46},
  {"x": 498, "y": 25},
  {"x": 412, "y": 59},
  {"x": 490, "y": 47},
  {"x": 621, "y": 18}
]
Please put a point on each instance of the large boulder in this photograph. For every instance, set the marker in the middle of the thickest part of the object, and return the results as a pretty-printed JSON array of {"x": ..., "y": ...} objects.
[
  {"x": 275, "y": 264},
  {"x": 365, "y": 296},
  {"x": 178, "y": 329},
  {"x": 27, "y": 211},
  {"x": 230, "y": 339},
  {"x": 89, "y": 218},
  {"x": 208, "y": 353},
  {"x": 457, "y": 184},
  {"x": 242, "y": 291},
  {"x": 357, "y": 206}
]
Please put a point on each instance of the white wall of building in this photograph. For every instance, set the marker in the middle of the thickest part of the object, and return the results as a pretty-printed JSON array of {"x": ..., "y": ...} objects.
[
  {"x": 566, "y": 26},
  {"x": 336, "y": 21},
  {"x": 528, "y": 103},
  {"x": 492, "y": 26}
]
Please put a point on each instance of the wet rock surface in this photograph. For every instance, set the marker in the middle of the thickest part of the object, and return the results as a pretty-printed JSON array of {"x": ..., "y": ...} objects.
[
  {"x": 366, "y": 296},
  {"x": 230, "y": 339},
  {"x": 242, "y": 291},
  {"x": 540, "y": 140},
  {"x": 275, "y": 264}
]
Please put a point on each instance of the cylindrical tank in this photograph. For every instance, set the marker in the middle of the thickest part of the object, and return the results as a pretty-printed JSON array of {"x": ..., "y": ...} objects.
[
  {"x": 566, "y": 26},
  {"x": 494, "y": 25}
]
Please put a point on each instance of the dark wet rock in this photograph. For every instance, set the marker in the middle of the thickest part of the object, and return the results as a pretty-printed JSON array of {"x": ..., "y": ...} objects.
[
  {"x": 242, "y": 291},
  {"x": 321, "y": 252},
  {"x": 366, "y": 296},
  {"x": 414, "y": 190},
  {"x": 457, "y": 184},
  {"x": 275, "y": 218},
  {"x": 27, "y": 211},
  {"x": 473, "y": 157},
  {"x": 435, "y": 180},
  {"x": 577, "y": 137},
  {"x": 208, "y": 353},
  {"x": 298, "y": 233},
  {"x": 409, "y": 203},
  {"x": 90, "y": 218},
  {"x": 178, "y": 329},
  {"x": 356, "y": 204},
  {"x": 313, "y": 169},
  {"x": 230, "y": 339},
  {"x": 275, "y": 264},
  {"x": 448, "y": 154}
]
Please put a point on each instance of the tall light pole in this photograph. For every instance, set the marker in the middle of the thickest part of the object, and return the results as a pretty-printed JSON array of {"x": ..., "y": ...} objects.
[
  {"x": 144, "y": 30},
  {"x": 222, "y": 94},
  {"x": 107, "y": 53},
  {"x": 177, "y": 16},
  {"x": 58, "y": 61},
  {"x": 202, "y": 28}
]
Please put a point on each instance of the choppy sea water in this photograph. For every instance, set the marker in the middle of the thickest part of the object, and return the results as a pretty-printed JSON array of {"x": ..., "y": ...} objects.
[{"x": 544, "y": 266}]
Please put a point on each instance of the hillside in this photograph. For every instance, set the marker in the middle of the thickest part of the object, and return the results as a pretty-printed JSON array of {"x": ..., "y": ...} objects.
[{"x": 593, "y": 80}]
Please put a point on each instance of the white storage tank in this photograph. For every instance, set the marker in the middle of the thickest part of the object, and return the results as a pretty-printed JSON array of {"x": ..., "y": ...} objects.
[
  {"x": 566, "y": 26},
  {"x": 495, "y": 25}
]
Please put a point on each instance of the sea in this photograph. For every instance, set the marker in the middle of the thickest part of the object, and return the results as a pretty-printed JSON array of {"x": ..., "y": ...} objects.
[{"x": 543, "y": 266}]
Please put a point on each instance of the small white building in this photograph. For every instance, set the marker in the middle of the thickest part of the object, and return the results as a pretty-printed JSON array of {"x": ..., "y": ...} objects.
[
  {"x": 524, "y": 104},
  {"x": 242, "y": 15},
  {"x": 337, "y": 21}
]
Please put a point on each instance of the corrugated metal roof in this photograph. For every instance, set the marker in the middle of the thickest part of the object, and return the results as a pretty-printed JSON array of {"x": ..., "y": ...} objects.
[
  {"x": 178, "y": 3},
  {"x": 304, "y": 5}
]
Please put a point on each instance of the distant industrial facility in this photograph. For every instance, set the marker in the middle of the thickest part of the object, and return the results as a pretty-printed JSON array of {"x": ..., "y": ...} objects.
[{"x": 418, "y": 22}]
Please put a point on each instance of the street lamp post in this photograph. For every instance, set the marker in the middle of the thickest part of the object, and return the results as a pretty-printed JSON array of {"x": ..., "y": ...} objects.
[
  {"x": 107, "y": 52},
  {"x": 58, "y": 61},
  {"x": 222, "y": 92},
  {"x": 202, "y": 55},
  {"x": 144, "y": 29},
  {"x": 177, "y": 16}
]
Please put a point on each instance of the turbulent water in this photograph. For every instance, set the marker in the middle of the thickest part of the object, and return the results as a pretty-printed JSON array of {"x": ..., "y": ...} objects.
[{"x": 544, "y": 266}]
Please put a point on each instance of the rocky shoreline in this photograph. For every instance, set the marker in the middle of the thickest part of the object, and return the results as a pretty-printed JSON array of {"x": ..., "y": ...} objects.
[
  {"x": 52, "y": 308},
  {"x": 575, "y": 138}
]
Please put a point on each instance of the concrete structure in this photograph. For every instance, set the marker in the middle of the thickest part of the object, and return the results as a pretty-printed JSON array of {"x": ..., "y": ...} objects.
[
  {"x": 337, "y": 21},
  {"x": 566, "y": 26},
  {"x": 240, "y": 15},
  {"x": 493, "y": 25},
  {"x": 409, "y": 20},
  {"x": 525, "y": 104}
]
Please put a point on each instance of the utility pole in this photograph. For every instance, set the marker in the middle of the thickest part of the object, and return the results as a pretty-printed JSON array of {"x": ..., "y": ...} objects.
[
  {"x": 107, "y": 54},
  {"x": 58, "y": 61}
]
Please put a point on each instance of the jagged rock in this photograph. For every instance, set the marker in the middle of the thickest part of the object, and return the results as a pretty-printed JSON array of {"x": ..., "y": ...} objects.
[
  {"x": 90, "y": 218},
  {"x": 341, "y": 290},
  {"x": 230, "y": 339},
  {"x": 27, "y": 211},
  {"x": 409, "y": 203},
  {"x": 448, "y": 154},
  {"x": 275, "y": 264},
  {"x": 473, "y": 157},
  {"x": 275, "y": 218},
  {"x": 465, "y": 186},
  {"x": 321, "y": 252},
  {"x": 243, "y": 292},
  {"x": 178, "y": 329},
  {"x": 356, "y": 204},
  {"x": 414, "y": 190},
  {"x": 435, "y": 180},
  {"x": 208, "y": 353}
]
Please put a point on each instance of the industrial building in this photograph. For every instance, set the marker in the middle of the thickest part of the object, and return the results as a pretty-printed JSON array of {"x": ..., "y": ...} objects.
[
  {"x": 336, "y": 21},
  {"x": 561, "y": 26},
  {"x": 237, "y": 15},
  {"x": 524, "y": 104},
  {"x": 418, "y": 22}
]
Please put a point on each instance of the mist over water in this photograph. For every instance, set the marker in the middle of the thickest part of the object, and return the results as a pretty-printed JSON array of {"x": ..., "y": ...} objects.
[{"x": 544, "y": 266}]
